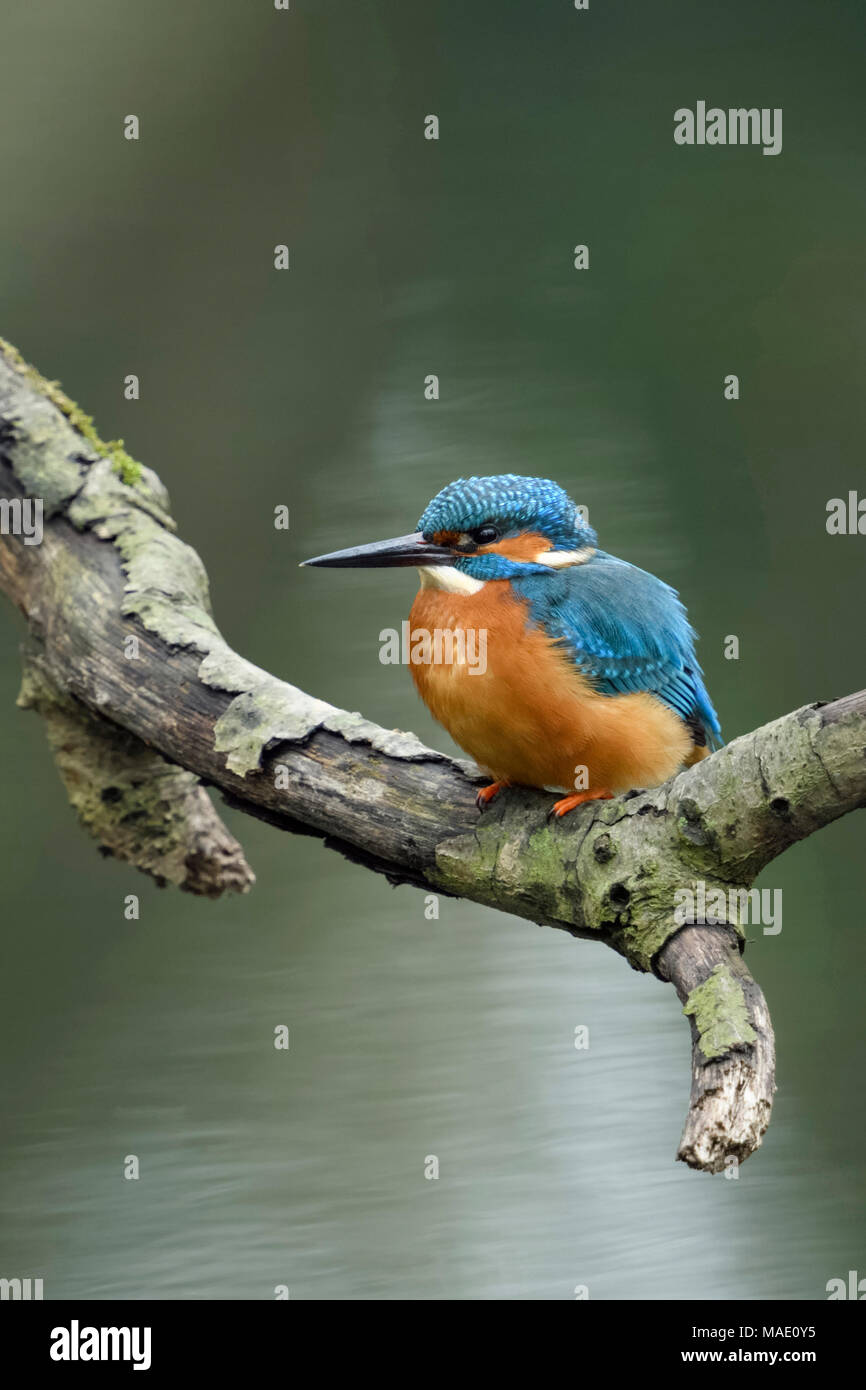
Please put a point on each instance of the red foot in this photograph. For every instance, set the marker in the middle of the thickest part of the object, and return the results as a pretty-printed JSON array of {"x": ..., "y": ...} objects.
[
  {"x": 486, "y": 795},
  {"x": 568, "y": 803}
]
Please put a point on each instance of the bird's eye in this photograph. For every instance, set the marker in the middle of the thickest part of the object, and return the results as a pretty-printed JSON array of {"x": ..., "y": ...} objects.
[{"x": 485, "y": 535}]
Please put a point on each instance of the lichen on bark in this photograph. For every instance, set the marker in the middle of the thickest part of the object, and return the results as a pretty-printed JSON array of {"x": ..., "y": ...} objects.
[
  {"x": 718, "y": 1007},
  {"x": 62, "y": 459},
  {"x": 140, "y": 808},
  {"x": 123, "y": 465}
]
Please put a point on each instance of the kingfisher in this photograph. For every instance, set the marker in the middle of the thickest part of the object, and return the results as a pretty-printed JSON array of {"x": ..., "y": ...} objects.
[{"x": 590, "y": 684}]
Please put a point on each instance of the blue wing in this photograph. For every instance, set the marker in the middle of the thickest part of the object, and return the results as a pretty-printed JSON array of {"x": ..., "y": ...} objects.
[{"x": 626, "y": 630}]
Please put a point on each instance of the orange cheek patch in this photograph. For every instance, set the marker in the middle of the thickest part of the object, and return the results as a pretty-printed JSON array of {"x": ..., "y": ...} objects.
[
  {"x": 446, "y": 537},
  {"x": 524, "y": 547}
]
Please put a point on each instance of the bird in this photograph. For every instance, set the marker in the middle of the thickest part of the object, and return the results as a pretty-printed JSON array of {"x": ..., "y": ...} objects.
[{"x": 590, "y": 685}]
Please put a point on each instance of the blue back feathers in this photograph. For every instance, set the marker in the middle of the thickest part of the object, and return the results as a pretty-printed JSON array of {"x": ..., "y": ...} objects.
[{"x": 625, "y": 630}]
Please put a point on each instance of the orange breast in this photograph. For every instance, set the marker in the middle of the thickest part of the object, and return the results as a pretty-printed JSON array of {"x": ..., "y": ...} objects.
[{"x": 518, "y": 705}]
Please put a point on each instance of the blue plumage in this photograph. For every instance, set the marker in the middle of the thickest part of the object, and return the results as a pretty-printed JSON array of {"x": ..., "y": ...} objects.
[
  {"x": 626, "y": 630},
  {"x": 515, "y": 503}
]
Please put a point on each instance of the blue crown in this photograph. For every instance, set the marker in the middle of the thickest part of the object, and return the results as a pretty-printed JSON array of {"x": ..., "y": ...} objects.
[{"x": 513, "y": 504}]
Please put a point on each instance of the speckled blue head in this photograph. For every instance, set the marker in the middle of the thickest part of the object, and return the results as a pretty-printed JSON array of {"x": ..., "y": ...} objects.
[{"x": 513, "y": 505}]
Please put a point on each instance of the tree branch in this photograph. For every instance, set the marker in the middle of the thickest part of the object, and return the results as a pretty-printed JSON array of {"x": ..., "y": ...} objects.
[{"x": 136, "y": 682}]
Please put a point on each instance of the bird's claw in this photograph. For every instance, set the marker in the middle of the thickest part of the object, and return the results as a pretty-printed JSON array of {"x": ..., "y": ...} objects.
[
  {"x": 486, "y": 794},
  {"x": 568, "y": 803}
]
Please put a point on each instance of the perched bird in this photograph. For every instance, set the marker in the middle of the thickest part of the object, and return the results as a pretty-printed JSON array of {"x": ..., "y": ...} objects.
[{"x": 590, "y": 683}]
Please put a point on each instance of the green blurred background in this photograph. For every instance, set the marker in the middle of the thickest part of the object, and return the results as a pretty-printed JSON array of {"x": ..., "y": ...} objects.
[{"x": 411, "y": 1037}]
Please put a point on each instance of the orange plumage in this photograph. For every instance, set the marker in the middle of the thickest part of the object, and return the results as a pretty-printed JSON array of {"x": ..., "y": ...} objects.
[{"x": 531, "y": 717}]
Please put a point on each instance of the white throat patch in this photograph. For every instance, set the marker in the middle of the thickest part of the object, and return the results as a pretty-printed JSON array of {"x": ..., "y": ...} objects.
[{"x": 446, "y": 577}]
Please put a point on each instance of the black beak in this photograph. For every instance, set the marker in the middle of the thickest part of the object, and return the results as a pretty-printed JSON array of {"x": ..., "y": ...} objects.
[{"x": 403, "y": 550}]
